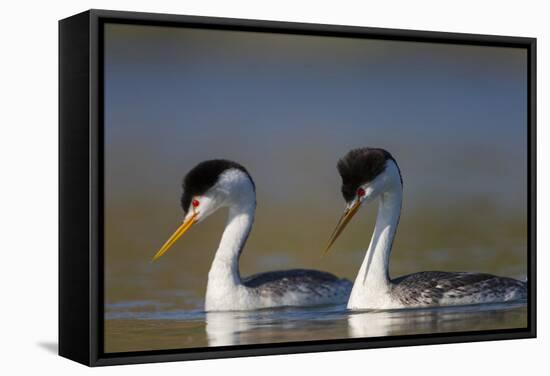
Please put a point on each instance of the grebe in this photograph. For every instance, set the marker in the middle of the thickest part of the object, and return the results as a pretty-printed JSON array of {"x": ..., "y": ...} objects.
[
  {"x": 215, "y": 184},
  {"x": 370, "y": 173}
]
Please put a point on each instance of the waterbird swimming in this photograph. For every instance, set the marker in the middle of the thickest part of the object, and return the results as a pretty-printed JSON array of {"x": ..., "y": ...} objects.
[
  {"x": 371, "y": 173},
  {"x": 219, "y": 183}
]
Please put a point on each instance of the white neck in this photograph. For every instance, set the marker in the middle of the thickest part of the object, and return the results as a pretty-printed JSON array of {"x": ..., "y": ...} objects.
[
  {"x": 224, "y": 276},
  {"x": 372, "y": 284}
]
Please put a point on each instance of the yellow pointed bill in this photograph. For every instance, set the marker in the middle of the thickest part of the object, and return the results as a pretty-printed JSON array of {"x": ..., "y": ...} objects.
[
  {"x": 342, "y": 223},
  {"x": 186, "y": 225}
]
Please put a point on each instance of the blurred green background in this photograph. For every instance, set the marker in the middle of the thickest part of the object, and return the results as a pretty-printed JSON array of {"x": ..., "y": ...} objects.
[{"x": 287, "y": 107}]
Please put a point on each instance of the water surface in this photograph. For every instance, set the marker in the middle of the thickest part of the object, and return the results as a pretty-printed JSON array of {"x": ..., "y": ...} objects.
[{"x": 139, "y": 326}]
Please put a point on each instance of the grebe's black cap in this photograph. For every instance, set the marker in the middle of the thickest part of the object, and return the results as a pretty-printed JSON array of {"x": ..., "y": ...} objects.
[
  {"x": 204, "y": 176},
  {"x": 360, "y": 166}
]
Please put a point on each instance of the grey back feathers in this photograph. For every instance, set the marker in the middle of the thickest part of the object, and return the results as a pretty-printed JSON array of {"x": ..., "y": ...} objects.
[
  {"x": 204, "y": 176},
  {"x": 325, "y": 287},
  {"x": 434, "y": 288},
  {"x": 360, "y": 166}
]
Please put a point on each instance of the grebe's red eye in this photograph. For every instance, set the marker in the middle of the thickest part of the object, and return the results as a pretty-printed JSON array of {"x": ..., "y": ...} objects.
[
  {"x": 195, "y": 203},
  {"x": 360, "y": 192}
]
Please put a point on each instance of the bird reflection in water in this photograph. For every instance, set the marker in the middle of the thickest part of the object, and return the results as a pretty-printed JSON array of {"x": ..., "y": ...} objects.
[
  {"x": 225, "y": 328},
  {"x": 431, "y": 320},
  {"x": 336, "y": 322}
]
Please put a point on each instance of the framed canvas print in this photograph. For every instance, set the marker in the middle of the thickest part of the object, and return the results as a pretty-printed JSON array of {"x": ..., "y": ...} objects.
[{"x": 239, "y": 187}]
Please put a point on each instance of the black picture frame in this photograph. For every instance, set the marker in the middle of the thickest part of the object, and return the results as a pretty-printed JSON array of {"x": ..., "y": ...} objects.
[{"x": 81, "y": 182}]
